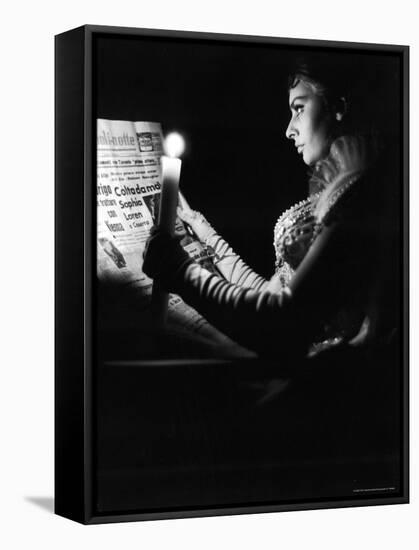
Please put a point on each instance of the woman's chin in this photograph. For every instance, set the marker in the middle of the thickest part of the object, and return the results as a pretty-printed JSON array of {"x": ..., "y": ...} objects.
[
  {"x": 308, "y": 161},
  {"x": 307, "y": 158},
  {"x": 312, "y": 160}
]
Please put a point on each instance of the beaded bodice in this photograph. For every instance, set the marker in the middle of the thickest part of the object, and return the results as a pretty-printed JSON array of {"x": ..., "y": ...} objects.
[
  {"x": 298, "y": 226},
  {"x": 294, "y": 232}
]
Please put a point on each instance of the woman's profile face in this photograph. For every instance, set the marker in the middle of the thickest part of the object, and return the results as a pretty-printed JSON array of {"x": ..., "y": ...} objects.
[{"x": 311, "y": 123}]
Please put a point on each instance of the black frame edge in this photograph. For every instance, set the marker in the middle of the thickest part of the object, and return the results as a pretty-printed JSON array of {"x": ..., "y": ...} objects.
[
  {"x": 74, "y": 494},
  {"x": 406, "y": 295},
  {"x": 303, "y": 42},
  {"x": 245, "y": 510},
  {"x": 70, "y": 397}
]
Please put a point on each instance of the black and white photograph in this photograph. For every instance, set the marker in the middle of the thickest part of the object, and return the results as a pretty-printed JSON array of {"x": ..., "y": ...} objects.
[
  {"x": 209, "y": 282},
  {"x": 248, "y": 313}
]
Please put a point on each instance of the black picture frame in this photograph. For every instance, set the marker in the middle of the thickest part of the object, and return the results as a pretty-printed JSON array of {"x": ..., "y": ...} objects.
[{"x": 83, "y": 394}]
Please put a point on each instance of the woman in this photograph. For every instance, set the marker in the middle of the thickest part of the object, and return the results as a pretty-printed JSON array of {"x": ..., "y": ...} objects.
[{"x": 327, "y": 247}]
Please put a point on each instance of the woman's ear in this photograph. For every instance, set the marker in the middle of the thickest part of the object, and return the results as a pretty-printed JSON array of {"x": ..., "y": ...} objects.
[{"x": 340, "y": 109}]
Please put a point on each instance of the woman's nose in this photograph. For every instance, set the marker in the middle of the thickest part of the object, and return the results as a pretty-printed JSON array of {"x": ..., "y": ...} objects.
[{"x": 290, "y": 131}]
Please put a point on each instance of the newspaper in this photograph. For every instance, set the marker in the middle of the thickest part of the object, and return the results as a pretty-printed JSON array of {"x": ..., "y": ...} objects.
[{"x": 128, "y": 198}]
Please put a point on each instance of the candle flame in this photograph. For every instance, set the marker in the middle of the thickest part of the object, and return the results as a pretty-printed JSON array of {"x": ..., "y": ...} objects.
[{"x": 174, "y": 145}]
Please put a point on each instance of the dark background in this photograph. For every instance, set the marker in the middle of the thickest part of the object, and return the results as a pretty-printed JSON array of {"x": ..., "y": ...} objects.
[
  {"x": 230, "y": 102},
  {"x": 202, "y": 435}
]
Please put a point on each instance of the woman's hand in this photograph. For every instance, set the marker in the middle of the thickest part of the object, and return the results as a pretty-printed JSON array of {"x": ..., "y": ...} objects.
[
  {"x": 164, "y": 258},
  {"x": 345, "y": 164},
  {"x": 348, "y": 156},
  {"x": 196, "y": 221}
]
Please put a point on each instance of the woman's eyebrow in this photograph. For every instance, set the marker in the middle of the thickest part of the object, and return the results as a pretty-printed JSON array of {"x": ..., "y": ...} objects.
[{"x": 298, "y": 98}]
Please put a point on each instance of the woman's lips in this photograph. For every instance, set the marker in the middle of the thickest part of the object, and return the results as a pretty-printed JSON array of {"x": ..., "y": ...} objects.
[{"x": 300, "y": 149}]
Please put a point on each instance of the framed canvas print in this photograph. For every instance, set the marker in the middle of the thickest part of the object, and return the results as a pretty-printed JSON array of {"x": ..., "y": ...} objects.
[{"x": 231, "y": 274}]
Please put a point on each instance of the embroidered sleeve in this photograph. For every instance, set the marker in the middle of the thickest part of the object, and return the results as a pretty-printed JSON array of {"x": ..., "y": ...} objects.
[{"x": 231, "y": 266}]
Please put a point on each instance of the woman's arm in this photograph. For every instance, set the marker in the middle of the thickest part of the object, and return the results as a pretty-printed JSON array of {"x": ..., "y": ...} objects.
[
  {"x": 272, "y": 323},
  {"x": 227, "y": 261}
]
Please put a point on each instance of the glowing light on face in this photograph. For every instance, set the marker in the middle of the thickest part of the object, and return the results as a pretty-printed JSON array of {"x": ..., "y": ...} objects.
[
  {"x": 174, "y": 145},
  {"x": 311, "y": 123}
]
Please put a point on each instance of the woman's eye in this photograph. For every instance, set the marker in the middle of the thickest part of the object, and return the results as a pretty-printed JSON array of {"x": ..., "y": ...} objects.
[{"x": 299, "y": 109}]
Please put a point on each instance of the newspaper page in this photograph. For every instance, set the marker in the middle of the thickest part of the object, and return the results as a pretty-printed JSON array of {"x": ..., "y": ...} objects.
[{"x": 128, "y": 197}]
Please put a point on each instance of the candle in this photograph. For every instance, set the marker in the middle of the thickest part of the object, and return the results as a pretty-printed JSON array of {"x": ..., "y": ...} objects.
[
  {"x": 170, "y": 169},
  {"x": 169, "y": 194}
]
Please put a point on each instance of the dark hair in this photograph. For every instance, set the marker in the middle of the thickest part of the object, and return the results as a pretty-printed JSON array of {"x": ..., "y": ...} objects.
[
  {"x": 317, "y": 71},
  {"x": 348, "y": 83}
]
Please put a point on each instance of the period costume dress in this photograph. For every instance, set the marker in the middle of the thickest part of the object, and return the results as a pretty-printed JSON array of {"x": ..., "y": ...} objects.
[
  {"x": 320, "y": 293},
  {"x": 323, "y": 396}
]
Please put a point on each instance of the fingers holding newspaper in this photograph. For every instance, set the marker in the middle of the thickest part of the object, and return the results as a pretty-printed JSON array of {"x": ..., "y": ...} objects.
[{"x": 195, "y": 220}]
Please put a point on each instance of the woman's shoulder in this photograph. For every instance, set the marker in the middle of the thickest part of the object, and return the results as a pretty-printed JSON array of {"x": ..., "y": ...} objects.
[{"x": 346, "y": 179}]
